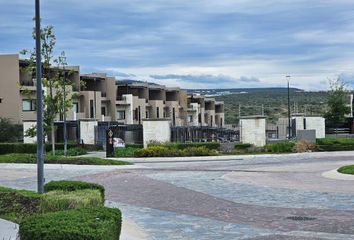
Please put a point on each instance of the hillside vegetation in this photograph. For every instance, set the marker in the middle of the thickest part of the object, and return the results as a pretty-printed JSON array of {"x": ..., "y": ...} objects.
[{"x": 275, "y": 104}]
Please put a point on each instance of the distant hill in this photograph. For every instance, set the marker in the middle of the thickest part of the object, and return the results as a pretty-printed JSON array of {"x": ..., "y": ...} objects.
[
  {"x": 220, "y": 92},
  {"x": 274, "y": 103}
]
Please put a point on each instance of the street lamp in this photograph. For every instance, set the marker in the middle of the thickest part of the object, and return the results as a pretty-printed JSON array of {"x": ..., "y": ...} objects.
[
  {"x": 63, "y": 60},
  {"x": 289, "y": 114},
  {"x": 40, "y": 150}
]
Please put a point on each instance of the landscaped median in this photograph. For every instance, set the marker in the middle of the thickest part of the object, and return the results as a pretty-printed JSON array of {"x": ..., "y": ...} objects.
[
  {"x": 170, "y": 150},
  {"x": 69, "y": 210}
]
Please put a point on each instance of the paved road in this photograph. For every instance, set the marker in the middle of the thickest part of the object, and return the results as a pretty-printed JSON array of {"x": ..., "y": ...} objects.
[{"x": 262, "y": 197}]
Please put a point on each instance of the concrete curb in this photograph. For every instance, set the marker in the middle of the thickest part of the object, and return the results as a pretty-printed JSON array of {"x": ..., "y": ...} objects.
[
  {"x": 232, "y": 157},
  {"x": 8, "y": 230},
  {"x": 334, "y": 174}
]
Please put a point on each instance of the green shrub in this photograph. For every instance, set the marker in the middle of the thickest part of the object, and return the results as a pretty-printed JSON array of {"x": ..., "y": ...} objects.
[
  {"x": 181, "y": 146},
  {"x": 162, "y": 151},
  {"x": 73, "y": 186},
  {"x": 242, "y": 146},
  {"x": 281, "y": 147},
  {"x": 75, "y": 151},
  {"x": 77, "y": 224},
  {"x": 158, "y": 151},
  {"x": 128, "y": 145},
  {"x": 199, "y": 151},
  {"x": 335, "y": 144},
  {"x": 15, "y": 205},
  {"x": 335, "y": 141},
  {"x": 125, "y": 152},
  {"x": 62, "y": 200}
]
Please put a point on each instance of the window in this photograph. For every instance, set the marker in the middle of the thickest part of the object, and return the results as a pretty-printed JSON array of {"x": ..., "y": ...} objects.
[
  {"x": 91, "y": 109},
  {"x": 28, "y": 105},
  {"x": 75, "y": 107},
  {"x": 157, "y": 112},
  {"x": 0, "y": 100},
  {"x": 174, "y": 116},
  {"x": 103, "y": 111},
  {"x": 120, "y": 115},
  {"x": 190, "y": 118}
]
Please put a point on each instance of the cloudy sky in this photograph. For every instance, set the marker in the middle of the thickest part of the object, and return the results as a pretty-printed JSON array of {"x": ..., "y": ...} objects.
[{"x": 196, "y": 43}]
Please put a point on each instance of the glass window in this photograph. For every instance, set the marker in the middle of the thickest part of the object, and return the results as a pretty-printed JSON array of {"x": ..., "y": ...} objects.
[
  {"x": 120, "y": 115},
  {"x": 28, "y": 105},
  {"x": 75, "y": 107}
]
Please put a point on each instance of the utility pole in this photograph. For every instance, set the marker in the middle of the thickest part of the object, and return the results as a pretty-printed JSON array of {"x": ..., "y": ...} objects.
[
  {"x": 262, "y": 110},
  {"x": 289, "y": 114},
  {"x": 40, "y": 155}
]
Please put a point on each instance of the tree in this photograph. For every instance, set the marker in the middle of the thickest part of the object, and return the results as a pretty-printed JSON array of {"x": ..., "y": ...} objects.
[
  {"x": 337, "y": 102},
  {"x": 10, "y": 132},
  {"x": 55, "y": 99}
]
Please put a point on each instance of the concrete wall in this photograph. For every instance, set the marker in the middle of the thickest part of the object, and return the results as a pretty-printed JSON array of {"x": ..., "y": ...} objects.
[
  {"x": 157, "y": 130},
  {"x": 10, "y": 105},
  {"x": 87, "y": 131},
  {"x": 318, "y": 124},
  {"x": 253, "y": 131}
]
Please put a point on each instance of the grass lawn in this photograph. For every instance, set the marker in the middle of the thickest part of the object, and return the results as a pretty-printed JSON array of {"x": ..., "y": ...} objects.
[
  {"x": 49, "y": 159},
  {"x": 347, "y": 169}
]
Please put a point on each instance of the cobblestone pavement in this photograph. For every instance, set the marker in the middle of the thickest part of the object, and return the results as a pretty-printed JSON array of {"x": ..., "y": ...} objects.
[{"x": 280, "y": 197}]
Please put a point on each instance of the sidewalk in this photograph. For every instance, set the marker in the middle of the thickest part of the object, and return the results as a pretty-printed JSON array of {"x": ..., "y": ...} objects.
[{"x": 8, "y": 230}]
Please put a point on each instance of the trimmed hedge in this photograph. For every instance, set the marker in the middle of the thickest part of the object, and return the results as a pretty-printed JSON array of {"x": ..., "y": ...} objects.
[
  {"x": 73, "y": 186},
  {"x": 335, "y": 144},
  {"x": 29, "y": 147},
  {"x": 182, "y": 146},
  {"x": 335, "y": 141},
  {"x": 77, "y": 224},
  {"x": 242, "y": 146}
]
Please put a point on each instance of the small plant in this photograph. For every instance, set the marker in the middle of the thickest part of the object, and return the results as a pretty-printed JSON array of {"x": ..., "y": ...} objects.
[{"x": 304, "y": 146}]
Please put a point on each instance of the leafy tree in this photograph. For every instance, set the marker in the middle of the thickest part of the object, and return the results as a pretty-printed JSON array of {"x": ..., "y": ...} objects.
[
  {"x": 55, "y": 99},
  {"x": 337, "y": 103},
  {"x": 10, "y": 132}
]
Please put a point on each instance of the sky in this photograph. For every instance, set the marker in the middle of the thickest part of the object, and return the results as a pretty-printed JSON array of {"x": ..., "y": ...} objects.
[{"x": 196, "y": 43}]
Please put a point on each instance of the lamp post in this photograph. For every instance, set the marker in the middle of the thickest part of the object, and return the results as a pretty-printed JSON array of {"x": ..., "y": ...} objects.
[
  {"x": 289, "y": 114},
  {"x": 40, "y": 156},
  {"x": 64, "y": 108}
]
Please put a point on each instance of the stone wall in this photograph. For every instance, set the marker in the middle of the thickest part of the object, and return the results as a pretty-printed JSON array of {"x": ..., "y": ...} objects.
[
  {"x": 157, "y": 130},
  {"x": 253, "y": 131},
  {"x": 87, "y": 132}
]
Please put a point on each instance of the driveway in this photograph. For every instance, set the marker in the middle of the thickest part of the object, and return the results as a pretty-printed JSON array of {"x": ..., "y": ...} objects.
[{"x": 243, "y": 197}]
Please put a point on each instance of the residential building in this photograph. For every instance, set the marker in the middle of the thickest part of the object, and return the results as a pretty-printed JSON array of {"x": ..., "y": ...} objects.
[{"x": 98, "y": 97}]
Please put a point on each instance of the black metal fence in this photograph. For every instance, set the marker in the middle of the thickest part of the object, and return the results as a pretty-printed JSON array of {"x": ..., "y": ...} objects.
[{"x": 203, "y": 134}]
